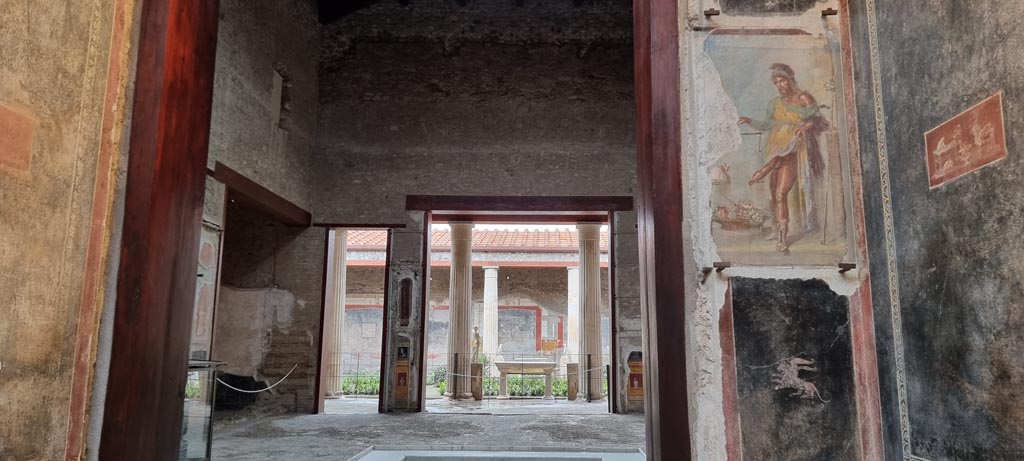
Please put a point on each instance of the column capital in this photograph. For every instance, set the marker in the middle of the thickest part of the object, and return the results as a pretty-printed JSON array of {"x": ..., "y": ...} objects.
[
  {"x": 462, "y": 230},
  {"x": 572, "y": 268},
  {"x": 588, "y": 230},
  {"x": 491, "y": 268}
]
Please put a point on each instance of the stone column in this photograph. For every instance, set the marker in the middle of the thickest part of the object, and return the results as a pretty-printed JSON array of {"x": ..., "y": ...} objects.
[
  {"x": 490, "y": 323},
  {"x": 336, "y": 324},
  {"x": 459, "y": 313},
  {"x": 572, "y": 342},
  {"x": 590, "y": 307}
]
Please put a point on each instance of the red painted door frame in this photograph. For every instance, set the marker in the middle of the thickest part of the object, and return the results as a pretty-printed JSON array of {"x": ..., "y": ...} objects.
[
  {"x": 156, "y": 281},
  {"x": 660, "y": 227}
]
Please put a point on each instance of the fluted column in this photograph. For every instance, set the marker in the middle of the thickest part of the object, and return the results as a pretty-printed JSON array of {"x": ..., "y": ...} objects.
[
  {"x": 572, "y": 342},
  {"x": 336, "y": 316},
  {"x": 490, "y": 322},
  {"x": 590, "y": 307},
  {"x": 459, "y": 314}
]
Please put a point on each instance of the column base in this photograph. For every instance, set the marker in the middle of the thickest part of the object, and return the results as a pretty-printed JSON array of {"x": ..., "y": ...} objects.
[{"x": 461, "y": 396}]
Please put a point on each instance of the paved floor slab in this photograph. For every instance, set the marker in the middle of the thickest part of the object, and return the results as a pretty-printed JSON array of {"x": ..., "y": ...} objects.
[
  {"x": 489, "y": 406},
  {"x": 340, "y": 437}
]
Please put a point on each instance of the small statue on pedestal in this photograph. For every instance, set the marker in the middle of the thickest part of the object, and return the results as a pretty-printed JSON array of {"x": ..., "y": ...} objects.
[{"x": 477, "y": 342}]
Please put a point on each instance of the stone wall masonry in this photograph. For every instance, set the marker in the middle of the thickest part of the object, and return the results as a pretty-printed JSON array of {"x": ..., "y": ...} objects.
[
  {"x": 442, "y": 23},
  {"x": 431, "y": 99},
  {"x": 364, "y": 280},
  {"x": 254, "y": 39},
  {"x": 63, "y": 74},
  {"x": 271, "y": 262},
  {"x": 268, "y": 136}
]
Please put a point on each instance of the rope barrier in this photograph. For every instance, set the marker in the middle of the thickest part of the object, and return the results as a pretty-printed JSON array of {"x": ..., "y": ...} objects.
[
  {"x": 261, "y": 390},
  {"x": 532, "y": 374}
]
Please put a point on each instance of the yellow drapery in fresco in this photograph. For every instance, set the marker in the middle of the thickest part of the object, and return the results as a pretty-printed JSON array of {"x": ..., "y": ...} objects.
[{"x": 783, "y": 119}]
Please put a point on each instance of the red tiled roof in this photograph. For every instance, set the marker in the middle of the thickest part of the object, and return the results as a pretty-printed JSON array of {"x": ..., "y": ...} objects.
[{"x": 502, "y": 240}]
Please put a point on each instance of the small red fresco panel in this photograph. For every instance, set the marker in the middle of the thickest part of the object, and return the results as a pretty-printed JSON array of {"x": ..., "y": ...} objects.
[
  {"x": 973, "y": 139},
  {"x": 16, "y": 132}
]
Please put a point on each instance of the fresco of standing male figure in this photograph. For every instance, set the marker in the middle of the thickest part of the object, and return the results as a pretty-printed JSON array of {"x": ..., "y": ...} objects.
[{"x": 793, "y": 159}]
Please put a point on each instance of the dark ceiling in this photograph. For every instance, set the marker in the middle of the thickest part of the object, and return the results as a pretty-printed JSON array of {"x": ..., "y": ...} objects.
[{"x": 332, "y": 10}]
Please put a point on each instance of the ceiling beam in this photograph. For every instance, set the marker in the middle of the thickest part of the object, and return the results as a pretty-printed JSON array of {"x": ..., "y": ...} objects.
[
  {"x": 333, "y": 10},
  {"x": 518, "y": 204}
]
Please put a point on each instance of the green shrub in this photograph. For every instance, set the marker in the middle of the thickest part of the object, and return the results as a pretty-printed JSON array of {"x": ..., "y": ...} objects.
[
  {"x": 192, "y": 386},
  {"x": 560, "y": 387},
  {"x": 438, "y": 375},
  {"x": 527, "y": 386},
  {"x": 361, "y": 383},
  {"x": 441, "y": 385}
]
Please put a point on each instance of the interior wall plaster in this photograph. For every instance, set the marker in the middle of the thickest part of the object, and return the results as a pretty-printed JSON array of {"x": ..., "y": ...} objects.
[{"x": 710, "y": 128}]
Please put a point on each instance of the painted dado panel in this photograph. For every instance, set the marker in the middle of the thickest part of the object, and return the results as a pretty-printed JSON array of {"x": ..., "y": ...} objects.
[
  {"x": 794, "y": 384},
  {"x": 946, "y": 253}
]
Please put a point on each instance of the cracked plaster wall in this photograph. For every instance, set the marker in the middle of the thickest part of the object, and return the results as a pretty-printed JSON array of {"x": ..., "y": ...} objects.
[
  {"x": 268, "y": 313},
  {"x": 949, "y": 322},
  {"x": 62, "y": 112}
]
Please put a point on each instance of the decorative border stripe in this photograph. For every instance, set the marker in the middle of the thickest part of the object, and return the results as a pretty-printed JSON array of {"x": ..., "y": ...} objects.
[{"x": 890, "y": 232}]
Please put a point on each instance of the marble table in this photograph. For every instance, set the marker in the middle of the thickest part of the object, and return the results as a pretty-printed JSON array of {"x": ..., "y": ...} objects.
[{"x": 524, "y": 368}]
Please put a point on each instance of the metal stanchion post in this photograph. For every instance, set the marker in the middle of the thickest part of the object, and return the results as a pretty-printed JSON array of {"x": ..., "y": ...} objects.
[
  {"x": 607, "y": 379},
  {"x": 586, "y": 372}
]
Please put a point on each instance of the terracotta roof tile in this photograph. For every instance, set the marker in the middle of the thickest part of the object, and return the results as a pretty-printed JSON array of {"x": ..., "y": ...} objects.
[{"x": 504, "y": 240}]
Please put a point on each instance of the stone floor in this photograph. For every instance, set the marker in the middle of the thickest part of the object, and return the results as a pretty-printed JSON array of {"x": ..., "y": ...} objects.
[
  {"x": 339, "y": 437},
  {"x": 521, "y": 406},
  {"x": 488, "y": 406}
]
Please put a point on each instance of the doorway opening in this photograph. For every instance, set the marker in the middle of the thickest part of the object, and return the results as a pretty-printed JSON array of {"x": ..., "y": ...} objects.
[
  {"x": 508, "y": 314},
  {"x": 260, "y": 306},
  {"x": 354, "y": 320}
]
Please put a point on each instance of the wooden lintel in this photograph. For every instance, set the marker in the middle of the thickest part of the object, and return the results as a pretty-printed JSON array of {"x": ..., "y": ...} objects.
[
  {"x": 360, "y": 226},
  {"x": 251, "y": 193},
  {"x": 518, "y": 204},
  {"x": 520, "y": 218}
]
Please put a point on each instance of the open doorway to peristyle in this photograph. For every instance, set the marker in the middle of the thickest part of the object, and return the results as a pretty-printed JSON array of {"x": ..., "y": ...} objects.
[
  {"x": 523, "y": 306},
  {"x": 354, "y": 319}
]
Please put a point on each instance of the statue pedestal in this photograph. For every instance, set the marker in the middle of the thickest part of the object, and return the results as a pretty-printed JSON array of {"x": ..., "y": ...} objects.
[
  {"x": 477, "y": 382},
  {"x": 572, "y": 371}
]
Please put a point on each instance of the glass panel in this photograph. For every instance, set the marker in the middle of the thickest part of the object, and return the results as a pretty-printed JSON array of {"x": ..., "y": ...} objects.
[{"x": 195, "y": 437}]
